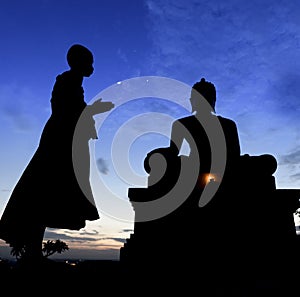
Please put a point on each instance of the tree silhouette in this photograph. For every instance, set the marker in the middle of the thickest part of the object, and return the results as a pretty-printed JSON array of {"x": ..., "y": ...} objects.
[
  {"x": 18, "y": 252},
  {"x": 50, "y": 247}
]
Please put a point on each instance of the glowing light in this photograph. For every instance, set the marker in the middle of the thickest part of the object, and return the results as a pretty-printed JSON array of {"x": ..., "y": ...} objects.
[{"x": 210, "y": 177}]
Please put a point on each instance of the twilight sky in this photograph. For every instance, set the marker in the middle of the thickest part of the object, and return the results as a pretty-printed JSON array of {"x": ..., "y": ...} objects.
[{"x": 250, "y": 50}]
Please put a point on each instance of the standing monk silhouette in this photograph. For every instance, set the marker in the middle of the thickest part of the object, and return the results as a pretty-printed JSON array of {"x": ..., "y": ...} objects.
[{"x": 48, "y": 193}]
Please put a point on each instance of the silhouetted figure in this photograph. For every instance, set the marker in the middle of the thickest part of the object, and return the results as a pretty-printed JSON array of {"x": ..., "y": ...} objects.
[
  {"x": 48, "y": 193},
  {"x": 194, "y": 129},
  {"x": 204, "y": 224}
]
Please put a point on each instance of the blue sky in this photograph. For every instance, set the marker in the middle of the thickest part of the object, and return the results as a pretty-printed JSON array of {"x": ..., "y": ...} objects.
[{"x": 249, "y": 50}]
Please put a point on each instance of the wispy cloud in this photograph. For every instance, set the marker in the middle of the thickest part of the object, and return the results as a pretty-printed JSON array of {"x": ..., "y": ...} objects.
[
  {"x": 82, "y": 236},
  {"x": 18, "y": 106},
  {"x": 247, "y": 49},
  {"x": 296, "y": 176},
  {"x": 118, "y": 239},
  {"x": 72, "y": 237},
  {"x": 292, "y": 158},
  {"x": 291, "y": 162},
  {"x": 289, "y": 169}
]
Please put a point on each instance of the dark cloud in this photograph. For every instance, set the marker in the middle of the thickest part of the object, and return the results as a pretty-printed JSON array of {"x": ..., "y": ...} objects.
[
  {"x": 127, "y": 230},
  {"x": 102, "y": 165},
  {"x": 92, "y": 232},
  {"x": 286, "y": 89},
  {"x": 118, "y": 239}
]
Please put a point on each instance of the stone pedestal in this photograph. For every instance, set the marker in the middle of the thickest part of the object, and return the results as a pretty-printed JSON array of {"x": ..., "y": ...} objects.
[{"x": 246, "y": 231}]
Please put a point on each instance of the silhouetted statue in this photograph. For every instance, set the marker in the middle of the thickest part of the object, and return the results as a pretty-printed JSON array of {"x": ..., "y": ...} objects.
[
  {"x": 236, "y": 221},
  {"x": 205, "y": 131},
  {"x": 48, "y": 193},
  {"x": 184, "y": 178},
  {"x": 192, "y": 128},
  {"x": 244, "y": 234}
]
